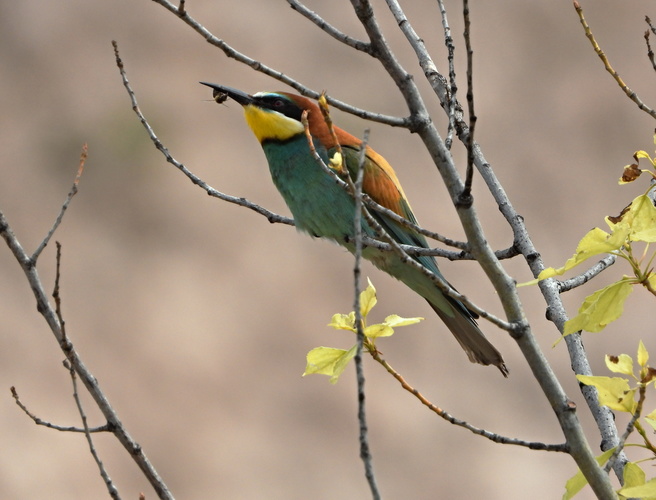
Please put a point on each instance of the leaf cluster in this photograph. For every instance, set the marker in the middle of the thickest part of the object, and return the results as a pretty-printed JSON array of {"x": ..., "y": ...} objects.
[
  {"x": 619, "y": 394},
  {"x": 332, "y": 361},
  {"x": 635, "y": 224}
]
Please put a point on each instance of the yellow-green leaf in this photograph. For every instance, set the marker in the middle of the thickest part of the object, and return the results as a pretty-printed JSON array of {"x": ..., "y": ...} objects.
[
  {"x": 601, "y": 308},
  {"x": 328, "y": 361},
  {"x": 643, "y": 355},
  {"x": 322, "y": 360},
  {"x": 341, "y": 363},
  {"x": 652, "y": 280},
  {"x": 646, "y": 491},
  {"x": 613, "y": 392},
  {"x": 343, "y": 321},
  {"x": 596, "y": 242},
  {"x": 651, "y": 419},
  {"x": 336, "y": 161},
  {"x": 641, "y": 154},
  {"x": 578, "y": 480},
  {"x": 394, "y": 320},
  {"x": 620, "y": 364},
  {"x": 378, "y": 330},
  {"x": 633, "y": 475},
  {"x": 642, "y": 218},
  {"x": 386, "y": 328},
  {"x": 367, "y": 299}
]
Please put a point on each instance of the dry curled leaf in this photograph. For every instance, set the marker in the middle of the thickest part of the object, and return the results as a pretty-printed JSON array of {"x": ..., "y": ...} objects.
[
  {"x": 618, "y": 218},
  {"x": 631, "y": 173}
]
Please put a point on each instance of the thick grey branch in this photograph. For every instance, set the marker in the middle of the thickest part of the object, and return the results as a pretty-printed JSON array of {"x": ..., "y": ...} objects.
[{"x": 583, "y": 278}]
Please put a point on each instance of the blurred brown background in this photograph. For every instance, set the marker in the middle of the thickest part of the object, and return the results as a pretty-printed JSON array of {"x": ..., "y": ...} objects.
[{"x": 196, "y": 315}]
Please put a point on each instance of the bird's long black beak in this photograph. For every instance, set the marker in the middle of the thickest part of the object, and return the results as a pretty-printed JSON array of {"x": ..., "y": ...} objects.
[{"x": 221, "y": 93}]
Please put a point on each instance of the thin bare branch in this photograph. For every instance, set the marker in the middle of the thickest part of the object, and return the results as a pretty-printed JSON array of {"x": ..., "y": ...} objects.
[
  {"x": 365, "y": 451},
  {"x": 271, "y": 216},
  {"x": 111, "y": 488},
  {"x": 442, "y": 284},
  {"x": 465, "y": 197},
  {"x": 356, "y": 190},
  {"x": 229, "y": 51},
  {"x": 581, "y": 279},
  {"x": 629, "y": 93},
  {"x": 49, "y": 314},
  {"x": 642, "y": 391},
  {"x": 49, "y": 425},
  {"x": 67, "y": 201},
  {"x": 453, "y": 86},
  {"x": 497, "y": 438},
  {"x": 506, "y": 253},
  {"x": 419, "y": 118},
  {"x": 329, "y": 28},
  {"x": 602, "y": 415},
  {"x": 56, "y": 295},
  {"x": 410, "y": 225},
  {"x": 650, "y": 52},
  {"x": 651, "y": 26}
]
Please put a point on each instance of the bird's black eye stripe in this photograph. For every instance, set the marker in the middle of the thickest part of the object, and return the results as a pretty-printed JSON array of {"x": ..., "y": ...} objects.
[{"x": 281, "y": 105}]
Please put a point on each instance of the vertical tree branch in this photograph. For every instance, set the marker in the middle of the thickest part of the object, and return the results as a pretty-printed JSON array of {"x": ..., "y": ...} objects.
[
  {"x": 453, "y": 86},
  {"x": 466, "y": 197},
  {"x": 365, "y": 452}
]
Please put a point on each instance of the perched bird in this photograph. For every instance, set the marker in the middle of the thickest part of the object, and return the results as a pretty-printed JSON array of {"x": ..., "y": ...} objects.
[{"x": 322, "y": 208}]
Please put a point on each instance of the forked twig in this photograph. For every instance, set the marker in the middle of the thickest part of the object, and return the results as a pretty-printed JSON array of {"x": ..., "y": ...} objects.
[
  {"x": 630, "y": 93},
  {"x": 111, "y": 488},
  {"x": 50, "y": 425},
  {"x": 28, "y": 265},
  {"x": 271, "y": 216}
]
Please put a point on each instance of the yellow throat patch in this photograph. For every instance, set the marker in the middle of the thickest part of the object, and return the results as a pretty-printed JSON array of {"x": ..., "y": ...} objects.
[{"x": 267, "y": 124}]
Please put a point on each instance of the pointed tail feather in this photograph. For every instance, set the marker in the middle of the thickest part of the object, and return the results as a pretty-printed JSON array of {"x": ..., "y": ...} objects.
[{"x": 471, "y": 339}]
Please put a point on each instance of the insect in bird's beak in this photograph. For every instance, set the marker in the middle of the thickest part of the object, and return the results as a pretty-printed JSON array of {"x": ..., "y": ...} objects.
[{"x": 219, "y": 97}]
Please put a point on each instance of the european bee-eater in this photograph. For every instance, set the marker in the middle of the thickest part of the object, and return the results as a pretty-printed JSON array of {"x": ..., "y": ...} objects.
[{"x": 322, "y": 208}]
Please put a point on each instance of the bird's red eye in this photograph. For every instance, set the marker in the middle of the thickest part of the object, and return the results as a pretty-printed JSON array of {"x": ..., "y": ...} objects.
[{"x": 278, "y": 103}]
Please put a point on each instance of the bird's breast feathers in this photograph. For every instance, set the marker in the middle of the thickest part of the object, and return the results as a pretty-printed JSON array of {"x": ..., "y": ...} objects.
[{"x": 270, "y": 125}]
